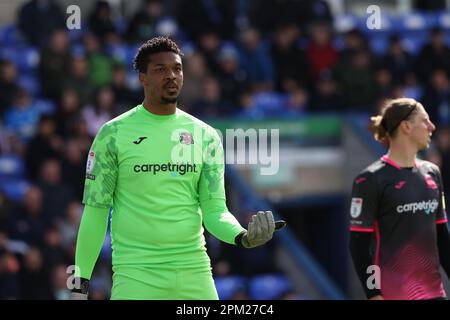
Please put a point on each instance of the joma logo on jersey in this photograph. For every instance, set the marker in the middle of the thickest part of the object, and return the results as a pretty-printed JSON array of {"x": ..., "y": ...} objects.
[{"x": 426, "y": 206}]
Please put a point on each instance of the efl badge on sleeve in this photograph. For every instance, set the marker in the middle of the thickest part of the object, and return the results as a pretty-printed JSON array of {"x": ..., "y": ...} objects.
[
  {"x": 90, "y": 162},
  {"x": 356, "y": 208}
]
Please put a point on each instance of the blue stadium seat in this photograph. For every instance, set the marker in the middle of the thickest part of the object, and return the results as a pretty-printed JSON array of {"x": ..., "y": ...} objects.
[
  {"x": 443, "y": 20},
  {"x": 10, "y": 36},
  {"x": 414, "y": 43},
  {"x": 45, "y": 106},
  {"x": 379, "y": 45},
  {"x": 30, "y": 83},
  {"x": 269, "y": 287},
  {"x": 121, "y": 25},
  {"x": 416, "y": 21},
  {"x": 345, "y": 22},
  {"x": 78, "y": 50},
  {"x": 133, "y": 80},
  {"x": 227, "y": 286},
  {"x": 118, "y": 52},
  {"x": 11, "y": 167},
  {"x": 75, "y": 35},
  {"x": 26, "y": 59},
  {"x": 15, "y": 189}
]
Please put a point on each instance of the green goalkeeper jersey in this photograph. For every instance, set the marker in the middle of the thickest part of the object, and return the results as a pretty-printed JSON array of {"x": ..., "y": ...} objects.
[{"x": 162, "y": 175}]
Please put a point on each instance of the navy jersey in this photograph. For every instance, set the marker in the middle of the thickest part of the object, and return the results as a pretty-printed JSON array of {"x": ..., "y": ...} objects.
[{"x": 401, "y": 207}]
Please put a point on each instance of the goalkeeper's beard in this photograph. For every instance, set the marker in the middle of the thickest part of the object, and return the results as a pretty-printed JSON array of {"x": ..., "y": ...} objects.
[{"x": 165, "y": 100}]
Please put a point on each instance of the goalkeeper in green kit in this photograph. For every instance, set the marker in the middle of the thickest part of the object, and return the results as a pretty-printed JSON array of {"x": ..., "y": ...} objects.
[{"x": 162, "y": 172}]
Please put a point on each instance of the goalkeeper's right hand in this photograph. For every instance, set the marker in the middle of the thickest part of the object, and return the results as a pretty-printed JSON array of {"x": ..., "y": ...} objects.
[{"x": 80, "y": 293}]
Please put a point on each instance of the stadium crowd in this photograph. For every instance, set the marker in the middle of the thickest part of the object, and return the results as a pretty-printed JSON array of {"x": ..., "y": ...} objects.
[{"x": 239, "y": 62}]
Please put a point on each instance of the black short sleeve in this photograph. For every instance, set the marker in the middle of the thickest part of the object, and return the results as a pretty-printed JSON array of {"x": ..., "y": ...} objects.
[{"x": 363, "y": 208}]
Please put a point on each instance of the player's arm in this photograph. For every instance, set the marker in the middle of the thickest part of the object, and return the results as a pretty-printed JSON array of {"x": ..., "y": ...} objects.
[
  {"x": 91, "y": 236},
  {"x": 362, "y": 217},
  {"x": 216, "y": 217},
  {"x": 443, "y": 234},
  {"x": 99, "y": 188}
]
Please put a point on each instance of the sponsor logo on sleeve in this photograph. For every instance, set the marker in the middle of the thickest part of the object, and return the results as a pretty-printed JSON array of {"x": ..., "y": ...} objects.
[
  {"x": 90, "y": 162},
  {"x": 356, "y": 207}
]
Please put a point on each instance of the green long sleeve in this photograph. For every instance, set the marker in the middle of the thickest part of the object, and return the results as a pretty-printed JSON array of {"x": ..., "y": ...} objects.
[
  {"x": 91, "y": 236},
  {"x": 220, "y": 222},
  {"x": 216, "y": 217}
]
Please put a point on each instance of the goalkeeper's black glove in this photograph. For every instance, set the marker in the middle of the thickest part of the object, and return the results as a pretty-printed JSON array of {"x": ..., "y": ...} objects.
[
  {"x": 260, "y": 230},
  {"x": 80, "y": 293}
]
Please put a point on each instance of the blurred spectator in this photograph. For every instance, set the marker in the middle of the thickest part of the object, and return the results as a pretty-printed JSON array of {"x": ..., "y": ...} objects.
[
  {"x": 68, "y": 112},
  {"x": 195, "y": 74},
  {"x": 429, "y": 5},
  {"x": 297, "y": 103},
  {"x": 209, "y": 43},
  {"x": 357, "y": 82},
  {"x": 7, "y": 208},
  {"x": 195, "y": 16},
  {"x": 100, "y": 65},
  {"x": 78, "y": 80},
  {"x": 326, "y": 96},
  {"x": 45, "y": 144},
  {"x": 8, "y": 85},
  {"x": 124, "y": 96},
  {"x": 73, "y": 167},
  {"x": 69, "y": 226},
  {"x": 321, "y": 53},
  {"x": 232, "y": 79},
  {"x": 9, "y": 268},
  {"x": 437, "y": 98},
  {"x": 38, "y": 19},
  {"x": 22, "y": 118},
  {"x": 255, "y": 60},
  {"x": 397, "y": 60},
  {"x": 354, "y": 41},
  {"x": 52, "y": 250},
  {"x": 290, "y": 61},
  {"x": 267, "y": 14},
  {"x": 81, "y": 135},
  {"x": 59, "y": 282},
  {"x": 143, "y": 25},
  {"x": 35, "y": 279},
  {"x": 262, "y": 104},
  {"x": 29, "y": 221},
  {"x": 101, "y": 23},
  {"x": 443, "y": 147},
  {"x": 434, "y": 55},
  {"x": 57, "y": 193},
  {"x": 384, "y": 83},
  {"x": 210, "y": 104},
  {"x": 103, "y": 110},
  {"x": 55, "y": 63}
]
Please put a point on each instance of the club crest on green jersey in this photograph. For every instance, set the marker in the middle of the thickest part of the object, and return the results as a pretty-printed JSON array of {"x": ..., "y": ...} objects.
[{"x": 186, "y": 138}]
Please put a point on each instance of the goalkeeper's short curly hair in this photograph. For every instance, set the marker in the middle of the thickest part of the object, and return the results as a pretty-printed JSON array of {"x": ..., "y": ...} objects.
[{"x": 154, "y": 45}]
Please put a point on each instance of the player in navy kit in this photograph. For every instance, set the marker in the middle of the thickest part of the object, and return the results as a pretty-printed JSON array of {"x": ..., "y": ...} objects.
[{"x": 398, "y": 209}]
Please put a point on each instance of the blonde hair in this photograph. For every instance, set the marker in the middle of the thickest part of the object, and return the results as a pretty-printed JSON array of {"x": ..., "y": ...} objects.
[{"x": 384, "y": 126}]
